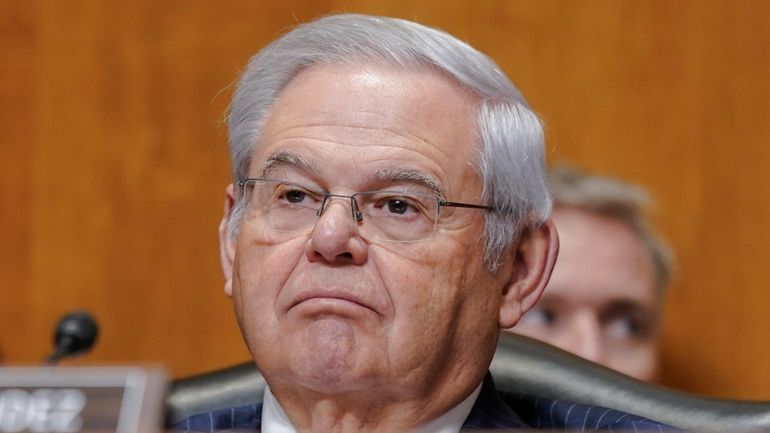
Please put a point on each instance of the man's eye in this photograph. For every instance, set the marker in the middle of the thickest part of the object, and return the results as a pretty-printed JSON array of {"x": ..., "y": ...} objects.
[
  {"x": 625, "y": 327},
  {"x": 295, "y": 196},
  {"x": 628, "y": 321},
  {"x": 398, "y": 206},
  {"x": 539, "y": 317},
  {"x": 290, "y": 195}
]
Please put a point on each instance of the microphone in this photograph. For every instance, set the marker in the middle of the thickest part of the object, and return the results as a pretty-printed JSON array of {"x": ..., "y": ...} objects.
[{"x": 75, "y": 334}]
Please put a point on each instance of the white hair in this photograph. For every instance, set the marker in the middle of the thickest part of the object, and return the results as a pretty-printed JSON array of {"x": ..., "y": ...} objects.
[{"x": 510, "y": 158}]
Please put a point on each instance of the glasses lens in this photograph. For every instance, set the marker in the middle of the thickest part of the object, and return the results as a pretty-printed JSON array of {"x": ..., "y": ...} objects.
[
  {"x": 280, "y": 206},
  {"x": 276, "y": 207},
  {"x": 400, "y": 216}
]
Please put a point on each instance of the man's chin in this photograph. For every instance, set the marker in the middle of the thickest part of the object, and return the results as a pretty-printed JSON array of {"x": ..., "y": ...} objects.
[
  {"x": 333, "y": 384},
  {"x": 332, "y": 357}
]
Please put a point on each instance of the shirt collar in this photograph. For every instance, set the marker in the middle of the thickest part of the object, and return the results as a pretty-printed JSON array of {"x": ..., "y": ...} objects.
[{"x": 274, "y": 419}]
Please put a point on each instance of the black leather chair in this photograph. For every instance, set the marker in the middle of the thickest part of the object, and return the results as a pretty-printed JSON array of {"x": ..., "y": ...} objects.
[{"x": 521, "y": 365}]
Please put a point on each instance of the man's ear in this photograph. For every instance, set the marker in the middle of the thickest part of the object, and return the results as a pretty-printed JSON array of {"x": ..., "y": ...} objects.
[
  {"x": 226, "y": 241},
  {"x": 533, "y": 260}
]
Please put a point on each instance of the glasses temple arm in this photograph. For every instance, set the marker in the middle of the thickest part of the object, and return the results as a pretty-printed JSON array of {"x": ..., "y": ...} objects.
[{"x": 466, "y": 205}]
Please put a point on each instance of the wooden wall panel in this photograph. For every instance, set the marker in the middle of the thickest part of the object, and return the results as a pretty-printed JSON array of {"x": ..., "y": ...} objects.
[
  {"x": 17, "y": 38},
  {"x": 118, "y": 163},
  {"x": 115, "y": 161}
]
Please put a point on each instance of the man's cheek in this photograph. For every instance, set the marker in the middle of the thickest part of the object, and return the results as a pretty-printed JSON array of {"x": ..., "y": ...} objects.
[
  {"x": 411, "y": 254},
  {"x": 267, "y": 266}
]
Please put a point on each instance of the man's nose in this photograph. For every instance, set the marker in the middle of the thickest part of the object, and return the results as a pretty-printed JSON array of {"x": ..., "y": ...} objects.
[
  {"x": 585, "y": 336},
  {"x": 335, "y": 238}
]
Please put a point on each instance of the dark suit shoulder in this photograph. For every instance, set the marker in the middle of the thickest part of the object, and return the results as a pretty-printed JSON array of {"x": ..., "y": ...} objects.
[
  {"x": 247, "y": 417},
  {"x": 544, "y": 413}
]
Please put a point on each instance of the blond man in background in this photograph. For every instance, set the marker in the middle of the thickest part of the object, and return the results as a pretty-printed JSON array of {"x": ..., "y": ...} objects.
[{"x": 605, "y": 297}]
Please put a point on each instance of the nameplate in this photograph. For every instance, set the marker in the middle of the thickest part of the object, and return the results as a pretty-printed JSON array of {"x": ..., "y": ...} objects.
[{"x": 81, "y": 399}]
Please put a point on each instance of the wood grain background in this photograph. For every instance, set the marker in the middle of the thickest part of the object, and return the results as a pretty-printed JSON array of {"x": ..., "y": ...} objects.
[{"x": 114, "y": 160}]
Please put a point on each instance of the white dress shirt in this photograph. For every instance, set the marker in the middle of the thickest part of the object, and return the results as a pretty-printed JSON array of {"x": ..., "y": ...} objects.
[{"x": 274, "y": 419}]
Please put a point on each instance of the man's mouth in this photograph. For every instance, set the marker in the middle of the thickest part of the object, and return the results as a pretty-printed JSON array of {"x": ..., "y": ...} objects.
[{"x": 331, "y": 299}]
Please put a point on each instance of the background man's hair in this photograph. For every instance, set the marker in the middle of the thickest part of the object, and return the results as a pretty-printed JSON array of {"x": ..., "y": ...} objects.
[
  {"x": 510, "y": 158},
  {"x": 614, "y": 199}
]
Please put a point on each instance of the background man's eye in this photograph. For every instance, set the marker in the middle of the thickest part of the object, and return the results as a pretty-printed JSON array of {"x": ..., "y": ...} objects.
[
  {"x": 295, "y": 196},
  {"x": 539, "y": 317},
  {"x": 398, "y": 206},
  {"x": 624, "y": 327}
]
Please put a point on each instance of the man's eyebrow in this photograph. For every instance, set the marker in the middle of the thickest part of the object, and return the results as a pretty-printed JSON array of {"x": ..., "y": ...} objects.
[
  {"x": 286, "y": 159},
  {"x": 627, "y": 304},
  {"x": 409, "y": 175}
]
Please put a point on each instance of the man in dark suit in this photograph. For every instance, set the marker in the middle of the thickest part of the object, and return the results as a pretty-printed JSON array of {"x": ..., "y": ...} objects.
[{"x": 388, "y": 216}]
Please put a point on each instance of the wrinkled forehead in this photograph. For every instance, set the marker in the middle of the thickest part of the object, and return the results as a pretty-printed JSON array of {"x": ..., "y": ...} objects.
[
  {"x": 374, "y": 117},
  {"x": 378, "y": 95}
]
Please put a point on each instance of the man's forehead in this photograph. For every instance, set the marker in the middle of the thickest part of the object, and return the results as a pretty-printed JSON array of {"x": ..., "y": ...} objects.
[
  {"x": 405, "y": 125},
  {"x": 574, "y": 295},
  {"x": 369, "y": 90}
]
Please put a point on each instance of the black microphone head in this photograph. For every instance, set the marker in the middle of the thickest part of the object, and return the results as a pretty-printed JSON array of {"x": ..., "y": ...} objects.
[{"x": 75, "y": 333}]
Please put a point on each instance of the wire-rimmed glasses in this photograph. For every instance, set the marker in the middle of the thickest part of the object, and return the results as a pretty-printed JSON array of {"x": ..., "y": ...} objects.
[{"x": 399, "y": 215}]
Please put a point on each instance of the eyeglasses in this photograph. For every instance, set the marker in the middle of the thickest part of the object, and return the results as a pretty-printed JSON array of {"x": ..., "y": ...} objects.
[{"x": 403, "y": 215}]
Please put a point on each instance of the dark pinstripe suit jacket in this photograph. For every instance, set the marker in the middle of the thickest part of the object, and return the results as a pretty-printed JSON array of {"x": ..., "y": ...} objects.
[{"x": 490, "y": 411}]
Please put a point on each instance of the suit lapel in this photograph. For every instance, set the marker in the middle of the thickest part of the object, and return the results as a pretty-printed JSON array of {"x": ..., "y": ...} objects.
[{"x": 491, "y": 412}]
